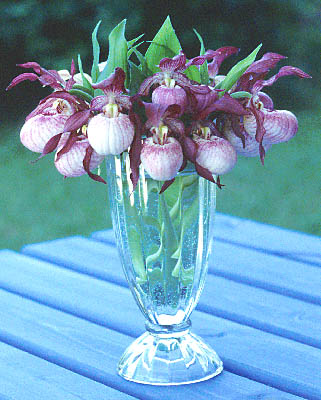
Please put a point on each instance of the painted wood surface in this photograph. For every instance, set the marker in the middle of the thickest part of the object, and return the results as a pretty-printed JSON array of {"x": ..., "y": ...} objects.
[
  {"x": 67, "y": 316},
  {"x": 253, "y": 306},
  {"x": 246, "y": 351}
]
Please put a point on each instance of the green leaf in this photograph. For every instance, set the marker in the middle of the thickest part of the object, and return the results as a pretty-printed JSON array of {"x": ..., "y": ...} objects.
[
  {"x": 85, "y": 81},
  {"x": 136, "y": 78},
  {"x": 130, "y": 43},
  {"x": 84, "y": 89},
  {"x": 82, "y": 94},
  {"x": 164, "y": 44},
  {"x": 117, "y": 56},
  {"x": 237, "y": 71},
  {"x": 203, "y": 68},
  {"x": 142, "y": 60},
  {"x": 132, "y": 49},
  {"x": 193, "y": 73},
  {"x": 241, "y": 94},
  {"x": 96, "y": 52}
]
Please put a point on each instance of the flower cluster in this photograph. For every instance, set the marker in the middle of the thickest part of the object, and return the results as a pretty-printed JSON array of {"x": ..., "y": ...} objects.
[{"x": 170, "y": 120}]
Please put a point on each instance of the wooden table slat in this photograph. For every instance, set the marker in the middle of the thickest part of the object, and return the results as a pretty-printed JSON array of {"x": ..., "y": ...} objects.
[
  {"x": 252, "y": 306},
  {"x": 267, "y": 358},
  {"x": 92, "y": 351},
  {"x": 265, "y": 270},
  {"x": 27, "y": 377},
  {"x": 283, "y": 242}
]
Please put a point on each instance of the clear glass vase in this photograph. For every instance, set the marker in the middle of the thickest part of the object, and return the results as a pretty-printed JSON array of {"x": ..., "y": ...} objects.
[{"x": 164, "y": 242}]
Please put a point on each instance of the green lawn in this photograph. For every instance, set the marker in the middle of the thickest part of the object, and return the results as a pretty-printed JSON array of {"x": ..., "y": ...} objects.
[{"x": 38, "y": 204}]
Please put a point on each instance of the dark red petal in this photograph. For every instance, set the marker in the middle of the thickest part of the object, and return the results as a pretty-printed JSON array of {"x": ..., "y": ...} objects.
[
  {"x": 49, "y": 80},
  {"x": 50, "y": 146},
  {"x": 27, "y": 76},
  {"x": 184, "y": 163},
  {"x": 97, "y": 103},
  {"x": 135, "y": 149},
  {"x": 218, "y": 56},
  {"x": 72, "y": 68},
  {"x": 199, "y": 60},
  {"x": 174, "y": 64},
  {"x": 235, "y": 123},
  {"x": 86, "y": 165},
  {"x": 175, "y": 125},
  {"x": 172, "y": 111},
  {"x": 149, "y": 82},
  {"x": 62, "y": 94},
  {"x": 189, "y": 148},
  {"x": 227, "y": 104},
  {"x": 77, "y": 120},
  {"x": 35, "y": 66},
  {"x": 72, "y": 139},
  {"x": 115, "y": 82},
  {"x": 258, "y": 70},
  {"x": 284, "y": 71},
  {"x": 204, "y": 172},
  {"x": 166, "y": 185}
]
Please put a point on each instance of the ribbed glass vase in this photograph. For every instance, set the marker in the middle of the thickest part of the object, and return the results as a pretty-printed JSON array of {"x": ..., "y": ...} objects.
[{"x": 164, "y": 242}]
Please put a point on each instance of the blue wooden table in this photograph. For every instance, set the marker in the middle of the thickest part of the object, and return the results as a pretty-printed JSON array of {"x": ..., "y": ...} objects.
[{"x": 67, "y": 316}]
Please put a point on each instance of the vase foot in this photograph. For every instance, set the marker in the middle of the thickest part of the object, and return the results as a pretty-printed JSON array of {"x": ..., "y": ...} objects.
[{"x": 173, "y": 358}]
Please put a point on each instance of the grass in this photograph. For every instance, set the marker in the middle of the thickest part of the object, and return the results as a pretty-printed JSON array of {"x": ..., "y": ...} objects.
[{"x": 37, "y": 204}]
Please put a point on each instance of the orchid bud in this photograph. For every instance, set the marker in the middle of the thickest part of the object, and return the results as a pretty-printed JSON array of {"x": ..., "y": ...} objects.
[
  {"x": 37, "y": 130},
  {"x": 215, "y": 154},
  {"x": 251, "y": 148},
  {"x": 70, "y": 164},
  {"x": 170, "y": 95},
  {"x": 162, "y": 162},
  {"x": 280, "y": 125},
  {"x": 110, "y": 132}
]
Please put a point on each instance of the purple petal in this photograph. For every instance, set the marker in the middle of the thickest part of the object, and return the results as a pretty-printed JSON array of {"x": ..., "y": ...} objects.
[
  {"x": 199, "y": 60},
  {"x": 86, "y": 165},
  {"x": 77, "y": 120},
  {"x": 49, "y": 80},
  {"x": 266, "y": 100},
  {"x": 135, "y": 149},
  {"x": 174, "y": 64},
  {"x": 284, "y": 71},
  {"x": 258, "y": 70},
  {"x": 50, "y": 146},
  {"x": 227, "y": 104},
  {"x": 115, "y": 82},
  {"x": 149, "y": 82},
  {"x": 218, "y": 56},
  {"x": 72, "y": 139},
  {"x": 22, "y": 77},
  {"x": 176, "y": 125},
  {"x": 189, "y": 148},
  {"x": 35, "y": 66},
  {"x": 235, "y": 123},
  {"x": 97, "y": 103}
]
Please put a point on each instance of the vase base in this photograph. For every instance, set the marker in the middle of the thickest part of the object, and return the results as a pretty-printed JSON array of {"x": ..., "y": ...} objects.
[{"x": 161, "y": 359}]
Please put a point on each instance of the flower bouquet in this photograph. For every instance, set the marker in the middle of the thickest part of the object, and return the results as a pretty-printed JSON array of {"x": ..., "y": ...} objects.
[{"x": 168, "y": 126}]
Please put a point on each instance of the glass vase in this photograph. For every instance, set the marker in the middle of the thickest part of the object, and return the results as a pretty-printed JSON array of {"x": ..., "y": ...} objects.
[{"x": 164, "y": 242}]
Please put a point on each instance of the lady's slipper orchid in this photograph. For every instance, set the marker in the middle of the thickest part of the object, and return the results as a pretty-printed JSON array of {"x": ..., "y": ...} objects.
[
  {"x": 72, "y": 163},
  {"x": 264, "y": 123},
  {"x": 38, "y": 129},
  {"x": 244, "y": 144},
  {"x": 161, "y": 154},
  {"x": 111, "y": 131},
  {"x": 175, "y": 87},
  {"x": 161, "y": 161},
  {"x": 215, "y": 154}
]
